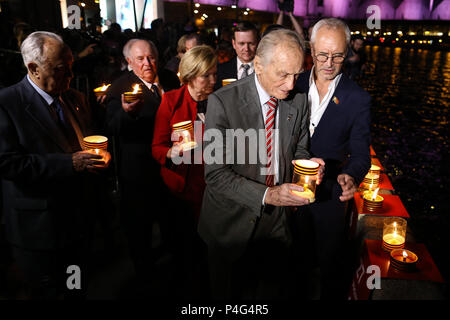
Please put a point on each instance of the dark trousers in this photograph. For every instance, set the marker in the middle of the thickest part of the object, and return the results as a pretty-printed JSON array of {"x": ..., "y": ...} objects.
[
  {"x": 139, "y": 203},
  {"x": 263, "y": 272},
  {"x": 320, "y": 235},
  {"x": 45, "y": 273}
]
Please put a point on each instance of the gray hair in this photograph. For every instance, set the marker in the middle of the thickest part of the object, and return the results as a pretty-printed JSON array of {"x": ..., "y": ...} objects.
[
  {"x": 32, "y": 47},
  {"x": 127, "y": 47},
  {"x": 271, "y": 40},
  {"x": 331, "y": 23}
]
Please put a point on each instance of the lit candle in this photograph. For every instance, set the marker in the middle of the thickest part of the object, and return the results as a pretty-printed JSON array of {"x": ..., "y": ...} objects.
[
  {"x": 373, "y": 201},
  {"x": 133, "y": 95},
  {"x": 405, "y": 255},
  {"x": 101, "y": 91}
]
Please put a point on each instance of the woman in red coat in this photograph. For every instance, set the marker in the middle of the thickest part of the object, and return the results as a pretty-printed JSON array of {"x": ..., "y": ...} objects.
[
  {"x": 186, "y": 181},
  {"x": 198, "y": 74}
]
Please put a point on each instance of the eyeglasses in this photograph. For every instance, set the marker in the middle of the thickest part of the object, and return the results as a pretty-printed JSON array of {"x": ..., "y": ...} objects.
[{"x": 334, "y": 59}]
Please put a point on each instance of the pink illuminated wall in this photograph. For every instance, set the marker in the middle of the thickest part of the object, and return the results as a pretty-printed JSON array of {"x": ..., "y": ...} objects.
[{"x": 350, "y": 9}]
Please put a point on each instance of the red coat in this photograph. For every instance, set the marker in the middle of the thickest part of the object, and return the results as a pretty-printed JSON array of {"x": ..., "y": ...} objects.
[{"x": 185, "y": 180}]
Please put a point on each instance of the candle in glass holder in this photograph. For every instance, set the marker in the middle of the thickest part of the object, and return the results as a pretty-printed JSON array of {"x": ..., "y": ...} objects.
[
  {"x": 183, "y": 132},
  {"x": 96, "y": 145},
  {"x": 134, "y": 95},
  {"x": 305, "y": 175},
  {"x": 101, "y": 91},
  {"x": 394, "y": 233},
  {"x": 372, "y": 201},
  {"x": 372, "y": 178},
  {"x": 404, "y": 260},
  {"x": 227, "y": 81}
]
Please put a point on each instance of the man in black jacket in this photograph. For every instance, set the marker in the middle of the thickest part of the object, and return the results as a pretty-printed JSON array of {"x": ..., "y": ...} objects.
[
  {"x": 131, "y": 125},
  {"x": 45, "y": 175}
]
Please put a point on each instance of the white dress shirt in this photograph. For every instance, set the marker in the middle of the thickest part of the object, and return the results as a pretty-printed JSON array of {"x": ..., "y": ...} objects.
[
  {"x": 263, "y": 98},
  {"x": 316, "y": 106},
  {"x": 240, "y": 70},
  {"x": 155, "y": 83}
]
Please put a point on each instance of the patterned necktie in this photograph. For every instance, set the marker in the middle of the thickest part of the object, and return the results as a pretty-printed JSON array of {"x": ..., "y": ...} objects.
[
  {"x": 272, "y": 103},
  {"x": 245, "y": 72}
]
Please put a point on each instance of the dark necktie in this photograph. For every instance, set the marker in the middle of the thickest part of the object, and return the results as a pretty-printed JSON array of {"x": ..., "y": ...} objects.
[
  {"x": 155, "y": 90},
  {"x": 245, "y": 72},
  {"x": 64, "y": 124}
]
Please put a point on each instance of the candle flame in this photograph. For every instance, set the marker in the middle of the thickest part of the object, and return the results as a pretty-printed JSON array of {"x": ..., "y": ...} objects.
[
  {"x": 375, "y": 193},
  {"x": 104, "y": 87},
  {"x": 395, "y": 234},
  {"x": 136, "y": 88},
  {"x": 405, "y": 255}
]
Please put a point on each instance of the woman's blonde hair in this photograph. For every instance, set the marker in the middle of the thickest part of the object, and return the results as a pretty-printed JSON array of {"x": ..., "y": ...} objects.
[{"x": 196, "y": 61}]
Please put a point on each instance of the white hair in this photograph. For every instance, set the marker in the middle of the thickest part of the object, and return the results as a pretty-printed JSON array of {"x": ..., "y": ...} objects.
[
  {"x": 32, "y": 47},
  {"x": 331, "y": 23},
  {"x": 274, "y": 38},
  {"x": 127, "y": 47}
]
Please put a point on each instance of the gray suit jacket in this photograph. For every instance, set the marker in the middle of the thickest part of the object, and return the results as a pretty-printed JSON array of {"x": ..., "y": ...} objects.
[{"x": 232, "y": 203}]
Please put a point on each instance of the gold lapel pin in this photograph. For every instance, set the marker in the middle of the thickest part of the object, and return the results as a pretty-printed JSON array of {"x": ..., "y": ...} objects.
[{"x": 336, "y": 100}]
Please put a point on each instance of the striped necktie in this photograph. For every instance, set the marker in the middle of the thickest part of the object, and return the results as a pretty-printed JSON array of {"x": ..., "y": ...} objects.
[
  {"x": 272, "y": 104},
  {"x": 245, "y": 72}
]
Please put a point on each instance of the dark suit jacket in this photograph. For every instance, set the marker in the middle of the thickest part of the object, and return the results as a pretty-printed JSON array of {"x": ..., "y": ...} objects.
[
  {"x": 41, "y": 192},
  {"x": 232, "y": 203},
  {"x": 342, "y": 137},
  {"x": 226, "y": 70},
  {"x": 133, "y": 133}
]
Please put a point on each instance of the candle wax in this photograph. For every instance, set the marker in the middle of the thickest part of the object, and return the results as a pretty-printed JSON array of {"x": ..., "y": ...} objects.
[
  {"x": 308, "y": 194},
  {"x": 393, "y": 240}
]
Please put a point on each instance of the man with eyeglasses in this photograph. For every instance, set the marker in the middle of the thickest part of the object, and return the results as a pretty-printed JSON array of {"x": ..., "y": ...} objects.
[{"x": 340, "y": 134}]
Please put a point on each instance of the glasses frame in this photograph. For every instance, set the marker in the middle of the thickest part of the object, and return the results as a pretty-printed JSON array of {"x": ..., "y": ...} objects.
[{"x": 332, "y": 58}]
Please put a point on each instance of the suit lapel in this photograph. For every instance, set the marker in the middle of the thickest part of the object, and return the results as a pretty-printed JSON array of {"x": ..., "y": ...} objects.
[
  {"x": 37, "y": 108},
  {"x": 287, "y": 117},
  {"x": 251, "y": 107}
]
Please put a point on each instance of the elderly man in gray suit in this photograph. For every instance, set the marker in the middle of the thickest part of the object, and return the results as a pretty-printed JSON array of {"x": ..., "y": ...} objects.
[{"x": 244, "y": 212}]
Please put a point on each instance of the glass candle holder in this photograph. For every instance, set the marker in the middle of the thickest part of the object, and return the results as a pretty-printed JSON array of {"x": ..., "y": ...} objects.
[
  {"x": 372, "y": 201},
  {"x": 227, "y": 81},
  {"x": 96, "y": 145},
  {"x": 372, "y": 179},
  {"x": 404, "y": 260},
  {"x": 101, "y": 91},
  {"x": 305, "y": 175},
  {"x": 394, "y": 233},
  {"x": 184, "y": 133},
  {"x": 134, "y": 95}
]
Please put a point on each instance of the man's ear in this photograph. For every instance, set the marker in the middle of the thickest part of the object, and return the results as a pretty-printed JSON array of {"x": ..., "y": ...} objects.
[
  {"x": 128, "y": 61},
  {"x": 257, "y": 65},
  {"x": 34, "y": 69}
]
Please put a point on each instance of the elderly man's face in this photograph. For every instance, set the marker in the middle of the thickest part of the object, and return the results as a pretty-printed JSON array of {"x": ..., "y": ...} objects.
[
  {"x": 143, "y": 61},
  {"x": 55, "y": 73},
  {"x": 278, "y": 76},
  {"x": 331, "y": 43},
  {"x": 245, "y": 44},
  {"x": 190, "y": 44}
]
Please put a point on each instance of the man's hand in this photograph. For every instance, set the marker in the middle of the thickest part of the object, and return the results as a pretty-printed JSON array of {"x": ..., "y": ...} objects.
[
  {"x": 85, "y": 161},
  {"x": 101, "y": 99},
  {"x": 283, "y": 196},
  {"x": 321, "y": 169},
  {"x": 348, "y": 186},
  {"x": 133, "y": 107}
]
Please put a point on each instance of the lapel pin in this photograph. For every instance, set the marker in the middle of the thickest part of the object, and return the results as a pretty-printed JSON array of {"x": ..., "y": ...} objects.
[
  {"x": 336, "y": 100},
  {"x": 289, "y": 117}
]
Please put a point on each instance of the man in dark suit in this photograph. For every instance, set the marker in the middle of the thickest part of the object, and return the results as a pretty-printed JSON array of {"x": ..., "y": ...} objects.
[
  {"x": 245, "y": 40},
  {"x": 243, "y": 214},
  {"x": 131, "y": 125},
  {"x": 340, "y": 134},
  {"x": 44, "y": 174}
]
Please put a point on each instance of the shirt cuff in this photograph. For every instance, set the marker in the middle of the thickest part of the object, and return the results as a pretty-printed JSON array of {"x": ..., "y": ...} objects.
[{"x": 264, "y": 197}]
